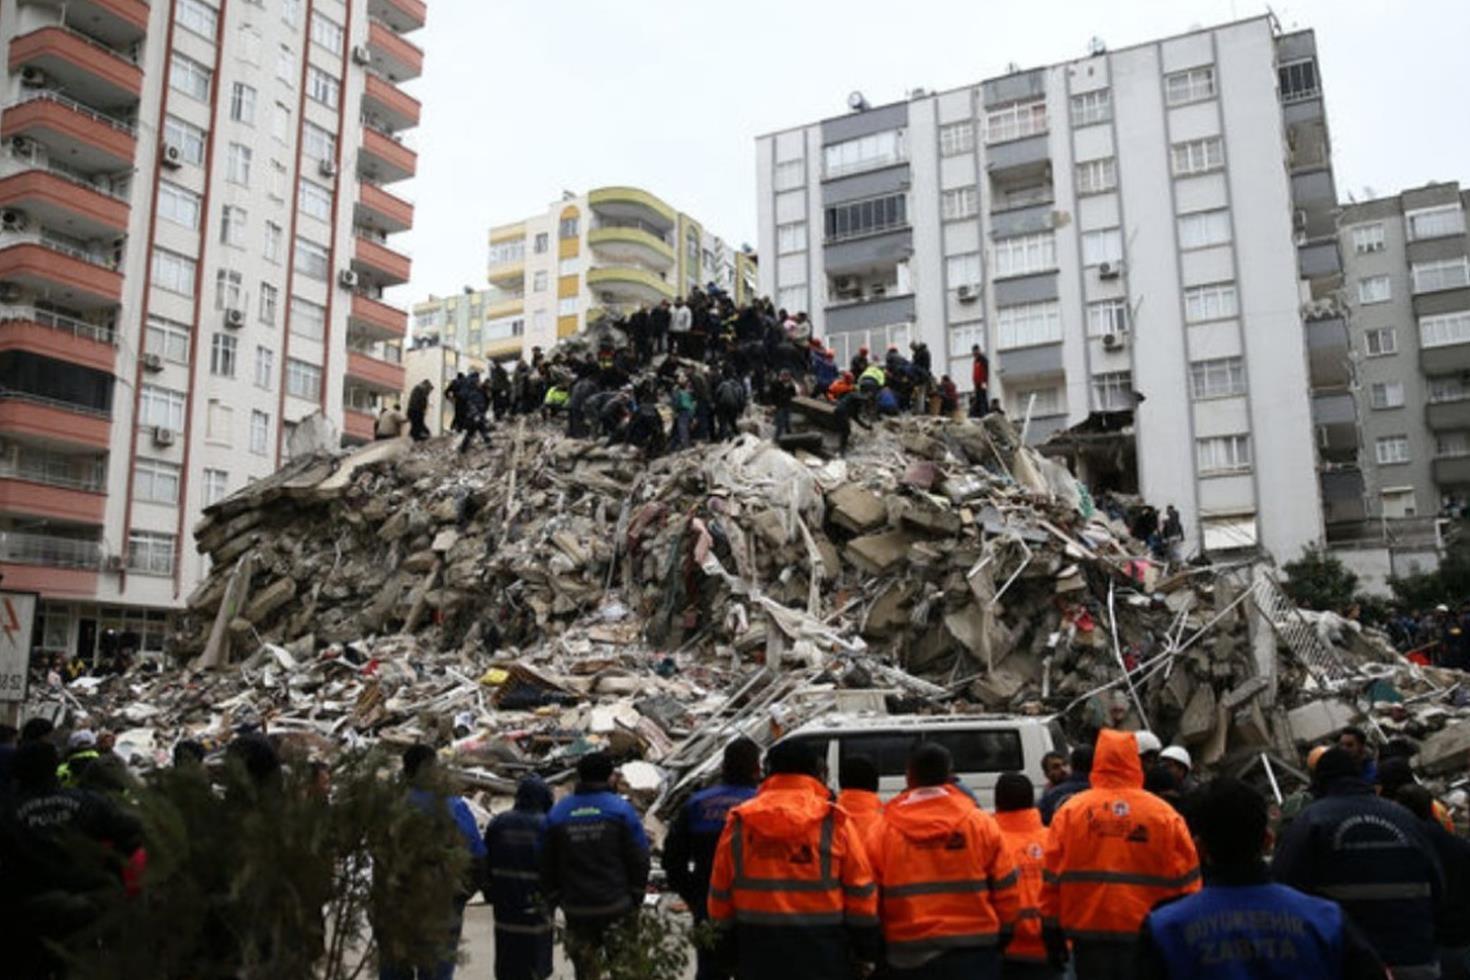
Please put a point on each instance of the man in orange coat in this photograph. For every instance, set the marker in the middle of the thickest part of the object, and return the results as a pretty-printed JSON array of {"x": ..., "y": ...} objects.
[
  {"x": 791, "y": 892},
  {"x": 946, "y": 884},
  {"x": 1113, "y": 852},
  {"x": 1025, "y": 837},
  {"x": 857, "y": 783}
]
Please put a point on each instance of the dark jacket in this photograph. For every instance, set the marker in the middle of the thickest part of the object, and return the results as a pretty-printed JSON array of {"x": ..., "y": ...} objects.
[
  {"x": 1373, "y": 858},
  {"x": 513, "y": 858},
  {"x": 594, "y": 856},
  {"x": 1452, "y": 926},
  {"x": 780, "y": 393},
  {"x": 689, "y": 849},
  {"x": 1061, "y": 793},
  {"x": 418, "y": 399},
  {"x": 459, "y": 813}
]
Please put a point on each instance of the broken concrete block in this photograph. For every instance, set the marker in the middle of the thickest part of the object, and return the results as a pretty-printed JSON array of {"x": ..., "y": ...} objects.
[
  {"x": 1313, "y": 722},
  {"x": 878, "y": 553},
  {"x": 1199, "y": 716},
  {"x": 1446, "y": 751},
  {"x": 396, "y": 526},
  {"x": 932, "y": 520},
  {"x": 445, "y": 540},
  {"x": 268, "y": 600},
  {"x": 854, "y": 509}
]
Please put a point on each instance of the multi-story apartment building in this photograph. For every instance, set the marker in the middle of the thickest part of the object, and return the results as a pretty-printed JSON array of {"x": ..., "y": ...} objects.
[
  {"x": 192, "y": 259},
  {"x": 605, "y": 251},
  {"x": 486, "y": 324},
  {"x": 1123, "y": 234}
]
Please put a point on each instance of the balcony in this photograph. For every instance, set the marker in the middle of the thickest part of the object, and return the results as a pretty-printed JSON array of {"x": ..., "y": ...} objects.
[
  {"x": 394, "y": 55},
  {"x": 1445, "y": 359},
  {"x": 380, "y": 263},
  {"x": 374, "y": 373},
  {"x": 629, "y": 284},
  {"x": 50, "y": 550},
  {"x": 376, "y": 208},
  {"x": 357, "y": 426},
  {"x": 1442, "y": 416},
  {"x": 1020, "y": 160},
  {"x": 84, "y": 68},
  {"x": 401, "y": 15},
  {"x": 632, "y": 203},
  {"x": 67, "y": 504},
  {"x": 52, "y": 421},
  {"x": 384, "y": 160},
  {"x": 1452, "y": 471},
  {"x": 377, "y": 319},
  {"x": 633, "y": 241},
  {"x": 69, "y": 276},
  {"x": 74, "y": 134},
  {"x": 115, "y": 22},
  {"x": 392, "y": 106},
  {"x": 1329, "y": 354},
  {"x": 58, "y": 337},
  {"x": 514, "y": 306},
  {"x": 64, "y": 203},
  {"x": 508, "y": 274}
]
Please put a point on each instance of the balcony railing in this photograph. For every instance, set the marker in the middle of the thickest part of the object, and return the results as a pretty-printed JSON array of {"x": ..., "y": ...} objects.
[
  {"x": 40, "y": 161},
  {"x": 641, "y": 225},
  {"x": 65, "y": 324},
  {"x": 76, "y": 106},
  {"x": 15, "y": 394},
  {"x": 56, "y": 245},
  {"x": 37, "y": 471},
  {"x": 46, "y": 549}
]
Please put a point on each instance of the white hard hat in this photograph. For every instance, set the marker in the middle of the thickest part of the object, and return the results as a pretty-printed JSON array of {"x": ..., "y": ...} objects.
[
  {"x": 1179, "y": 754},
  {"x": 1147, "y": 742},
  {"x": 83, "y": 738}
]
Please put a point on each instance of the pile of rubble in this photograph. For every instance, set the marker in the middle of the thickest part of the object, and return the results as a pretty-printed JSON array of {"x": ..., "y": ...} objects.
[{"x": 524, "y": 605}]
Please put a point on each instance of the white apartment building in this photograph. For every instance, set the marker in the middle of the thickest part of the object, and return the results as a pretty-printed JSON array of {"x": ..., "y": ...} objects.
[
  {"x": 192, "y": 259},
  {"x": 1126, "y": 236}
]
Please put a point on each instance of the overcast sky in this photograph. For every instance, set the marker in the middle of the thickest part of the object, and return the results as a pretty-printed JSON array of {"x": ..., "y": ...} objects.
[{"x": 525, "y": 98}]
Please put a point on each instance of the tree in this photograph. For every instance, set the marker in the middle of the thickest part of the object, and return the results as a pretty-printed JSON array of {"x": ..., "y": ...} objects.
[
  {"x": 1448, "y": 584},
  {"x": 1319, "y": 580}
]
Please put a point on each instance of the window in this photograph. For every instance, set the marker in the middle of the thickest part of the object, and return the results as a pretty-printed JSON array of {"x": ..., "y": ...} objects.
[
  {"x": 1028, "y": 325},
  {"x": 275, "y": 237},
  {"x": 504, "y": 253},
  {"x": 189, "y": 77},
  {"x": 1015, "y": 121},
  {"x": 1104, "y": 245},
  {"x": 1431, "y": 277},
  {"x": 150, "y": 553},
  {"x": 790, "y": 174},
  {"x": 229, "y": 290},
  {"x": 792, "y": 299},
  {"x": 1092, "y": 107},
  {"x": 1444, "y": 329},
  {"x": 567, "y": 306},
  {"x": 963, "y": 337},
  {"x": 278, "y": 180},
  {"x": 285, "y": 65},
  {"x": 308, "y": 319},
  {"x": 1107, "y": 317},
  {"x": 303, "y": 380},
  {"x": 1380, "y": 341},
  {"x": 318, "y": 143},
  {"x": 866, "y": 217},
  {"x": 198, "y": 17},
  {"x": 1223, "y": 454},
  {"x": 281, "y": 122},
  {"x": 216, "y": 483},
  {"x": 179, "y": 205},
  {"x": 962, "y": 202},
  {"x": 311, "y": 259},
  {"x": 1198, "y": 156},
  {"x": 957, "y": 138},
  {"x": 1190, "y": 86},
  {"x": 568, "y": 266},
  {"x": 1026, "y": 254},
  {"x": 1204, "y": 228},
  {"x": 1297, "y": 80},
  {"x": 250, "y": 45},
  {"x": 1436, "y": 222},
  {"x": 232, "y": 226},
  {"x": 1049, "y": 400},
  {"x": 265, "y": 367},
  {"x": 1368, "y": 238},
  {"x": 316, "y": 200},
  {"x": 223, "y": 349},
  {"x": 963, "y": 270},
  {"x": 242, "y": 104},
  {"x": 168, "y": 339},
  {"x": 161, "y": 408},
  {"x": 791, "y": 237},
  {"x": 173, "y": 272},
  {"x": 568, "y": 227},
  {"x": 1097, "y": 176},
  {"x": 1214, "y": 302},
  {"x": 1451, "y": 388},
  {"x": 865, "y": 152},
  {"x": 1452, "y": 444},
  {"x": 1374, "y": 289},
  {"x": 237, "y": 164},
  {"x": 538, "y": 281},
  {"x": 155, "y": 482},
  {"x": 1112, "y": 391},
  {"x": 1392, "y": 449},
  {"x": 190, "y": 139},
  {"x": 322, "y": 87},
  {"x": 291, "y": 11},
  {"x": 1397, "y": 502},
  {"x": 1386, "y": 394},
  {"x": 260, "y": 432},
  {"x": 326, "y": 32},
  {"x": 543, "y": 242},
  {"x": 1217, "y": 378}
]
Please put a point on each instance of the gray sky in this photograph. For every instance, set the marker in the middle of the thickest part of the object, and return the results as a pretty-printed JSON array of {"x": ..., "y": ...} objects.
[{"x": 523, "y": 98}]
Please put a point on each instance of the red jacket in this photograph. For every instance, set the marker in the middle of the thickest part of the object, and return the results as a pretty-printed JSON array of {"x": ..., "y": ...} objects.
[{"x": 980, "y": 372}]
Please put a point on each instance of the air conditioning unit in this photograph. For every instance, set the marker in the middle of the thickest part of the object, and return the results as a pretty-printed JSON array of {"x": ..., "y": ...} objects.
[
  {"x": 163, "y": 436},
  {"x": 153, "y": 362},
  {"x": 235, "y": 319},
  {"x": 1110, "y": 270},
  {"x": 171, "y": 156},
  {"x": 22, "y": 148},
  {"x": 12, "y": 219},
  {"x": 1113, "y": 341},
  {"x": 967, "y": 293},
  {"x": 347, "y": 278},
  {"x": 327, "y": 168},
  {"x": 114, "y": 563},
  {"x": 362, "y": 55},
  {"x": 32, "y": 77}
]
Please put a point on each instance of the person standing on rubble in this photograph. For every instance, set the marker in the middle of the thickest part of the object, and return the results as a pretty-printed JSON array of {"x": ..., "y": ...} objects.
[
  {"x": 689, "y": 849},
  {"x": 594, "y": 862},
  {"x": 1025, "y": 838},
  {"x": 476, "y": 412},
  {"x": 418, "y": 408},
  {"x": 512, "y": 876},
  {"x": 390, "y": 423},
  {"x": 681, "y": 321},
  {"x": 1113, "y": 853},
  {"x": 1354, "y": 741},
  {"x": 979, "y": 381},
  {"x": 791, "y": 892},
  {"x": 781, "y": 394}
]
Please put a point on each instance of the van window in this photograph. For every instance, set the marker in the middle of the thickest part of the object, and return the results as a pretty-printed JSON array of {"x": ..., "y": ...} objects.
[
  {"x": 889, "y": 751},
  {"x": 818, "y": 745},
  {"x": 987, "y": 750}
]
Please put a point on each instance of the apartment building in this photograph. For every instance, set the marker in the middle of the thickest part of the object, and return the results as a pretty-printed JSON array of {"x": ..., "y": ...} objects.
[
  {"x": 487, "y": 324},
  {"x": 604, "y": 252},
  {"x": 1131, "y": 237},
  {"x": 194, "y": 217}
]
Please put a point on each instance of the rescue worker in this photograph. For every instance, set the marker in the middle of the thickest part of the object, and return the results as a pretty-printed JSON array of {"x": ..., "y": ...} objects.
[
  {"x": 512, "y": 860},
  {"x": 81, "y": 752},
  {"x": 857, "y": 794},
  {"x": 872, "y": 380},
  {"x": 418, "y": 407},
  {"x": 390, "y": 423},
  {"x": 1113, "y": 853},
  {"x": 1452, "y": 923},
  {"x": 780, "y": 394},
  {"x": 792, "y": 892},
  {"x": 947, "y": 894},
  {"x": 689, "y": 849},
  {"x": 1175, "y": 759},
  {"x": 859, "y": 363},
  {"x": 1241, "y": 925},
  {"x": 594, "y": 861},
  {"x": 1025, "y": 838},
  {"x": 844, "y": 385},
  {"x": 979, "y": 381},
  {"x": 1373, "y": 858}
]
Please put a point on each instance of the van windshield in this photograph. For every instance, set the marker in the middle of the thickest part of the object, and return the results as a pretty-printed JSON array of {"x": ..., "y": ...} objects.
[{"x": 987, "y": 750}]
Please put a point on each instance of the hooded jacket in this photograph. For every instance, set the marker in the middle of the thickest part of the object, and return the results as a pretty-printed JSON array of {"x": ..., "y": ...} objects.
[
  {"x": 1025, "y": 838},
  {"x": 866, "y": 810},
  {"x": 512, "y": 859},
  {"x": 594, "y": 857},
  {"x": 1114, "y": 851},
  {"x": 693, "y": 838}
]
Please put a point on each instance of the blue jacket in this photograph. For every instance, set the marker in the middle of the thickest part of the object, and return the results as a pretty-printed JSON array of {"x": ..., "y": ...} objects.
[
  {"x": 513, "y": 859},
  {"x": 1061, "y": 793},
  {"x": 692, "y": 841},
  {"x": 1374, "y": 859},
  {"x": 594, "y": 855}
]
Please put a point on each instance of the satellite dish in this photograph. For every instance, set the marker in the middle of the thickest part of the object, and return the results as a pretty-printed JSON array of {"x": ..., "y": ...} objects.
[{"x": 856, "y": 102}]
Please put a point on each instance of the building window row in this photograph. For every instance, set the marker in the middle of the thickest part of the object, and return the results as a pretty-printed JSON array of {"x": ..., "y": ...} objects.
[
  {"x": 303, "y": 380},
  {"x": 1390, "y": 450},
  {"x": 1028, "y": 325},
  {"x": 1025, "y": 255},
  {"x": 957, "y": 138},
  {"x": 1444, "y": 329},
  {"x": 1380, "y": 341},
  {"x": 151, "y": 553},
  {"x": 867, "y": 217},
  {"x": 1218, "y": 377},
  {"x": 1104, "y": 245},
  {"x": 962, "y": 202},
  {"x": 1092, "y": 107},
  {"x": 1217, "y": 301},
  {"x": 1223, "y": 454},
  {"x": 1038, "y": 401},
  {"x": 1374, "y": 289},
  {"x": 504, "y": 253},
  {"x": 1430, "y": 277},
  {"x": 1386, "y": 394},
  {"x": 1298, "y": 80},
  {"x": 160, "y": 407},
  {"x": 1107, "y": 317},
  {"x": 790, "y": 174},
  {"x": 866, "y": 152},
  {"x": 1368, "y": 238},
  {"x": 1190, "y": 86},
  {"x": 1447, "y": 389},
  {"x": 1112, "y": 391},
  {"x": 1203, "y": 229},
  {"x": 1016, "y": 121},
  {"x": 1197, "y": 156},
  {"x": 1437, "y": 222},
  {"x": 791, "y": 237},
  {"x": 1097, "y": 176}
]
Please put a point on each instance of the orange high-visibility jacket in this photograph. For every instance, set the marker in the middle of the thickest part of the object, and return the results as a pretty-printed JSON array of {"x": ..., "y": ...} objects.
[
  {"x": 866, "y": 810},
  {"x": 945, "y": 878},
  {"x": 1025, "y": 837},
  {"x": 790, "y": 857},
  {"x": 1115, "y": 850}
]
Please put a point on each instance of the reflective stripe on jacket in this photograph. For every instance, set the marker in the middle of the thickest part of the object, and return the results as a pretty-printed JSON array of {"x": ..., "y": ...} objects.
[
  {"x": 1025, "y": 838},
  {"x": 875, "y": 374},
  {"x": 1115, "y": 851}
]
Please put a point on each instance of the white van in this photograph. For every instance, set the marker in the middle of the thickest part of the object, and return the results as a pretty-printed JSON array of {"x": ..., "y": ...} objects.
[{"x": 983, "y": 746}]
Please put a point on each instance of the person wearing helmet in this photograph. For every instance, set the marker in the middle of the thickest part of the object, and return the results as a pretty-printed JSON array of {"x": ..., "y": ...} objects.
[
  {"x": 1149, "y": 747},
  {"x": 1176, "y": 760}
]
